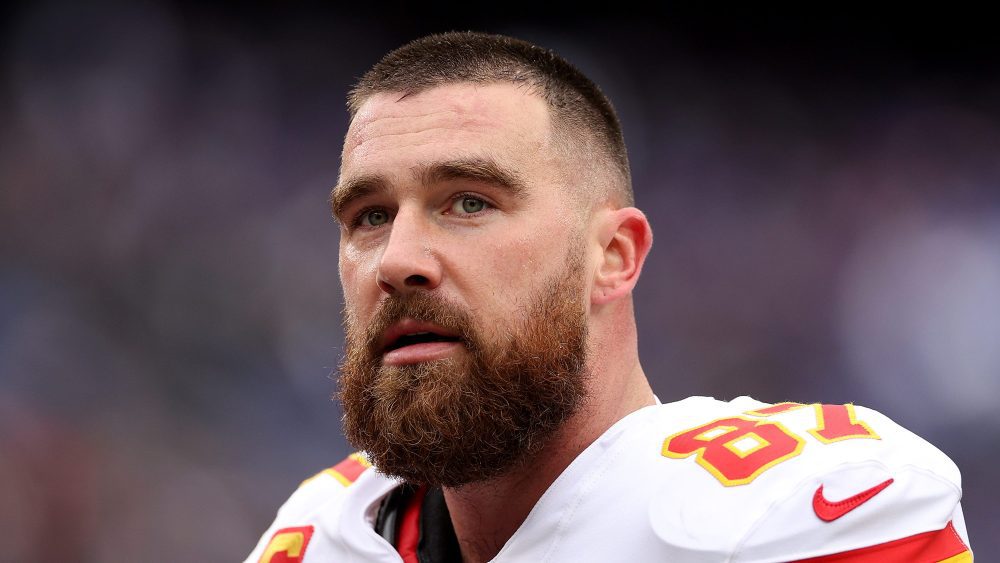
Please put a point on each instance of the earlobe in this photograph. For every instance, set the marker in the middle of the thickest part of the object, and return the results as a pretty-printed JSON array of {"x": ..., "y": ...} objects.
[{"x": 625, "y": 237}]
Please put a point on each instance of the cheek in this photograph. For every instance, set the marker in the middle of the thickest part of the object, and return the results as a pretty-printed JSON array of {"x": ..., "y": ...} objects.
[
  {"x": 357, "y": 275},
  {"x": 517, "y": 264}
]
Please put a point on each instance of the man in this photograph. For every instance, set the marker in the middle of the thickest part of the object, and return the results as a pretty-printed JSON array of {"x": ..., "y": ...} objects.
[{"x": 488, "y": 252}]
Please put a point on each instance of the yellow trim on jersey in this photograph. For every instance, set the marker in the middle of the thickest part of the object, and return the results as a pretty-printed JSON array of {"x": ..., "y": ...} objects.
[
  {"x": 360, "y": 458},
  {"x": 338, "y": 476},
  {"x": 964, "y": 557},
  {"x": 851, "y": 417}
]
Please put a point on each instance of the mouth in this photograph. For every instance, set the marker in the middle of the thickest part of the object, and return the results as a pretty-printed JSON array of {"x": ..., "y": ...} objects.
[
  {"x": 415, "y": 338},
  {"x": 410, "y": 341}
]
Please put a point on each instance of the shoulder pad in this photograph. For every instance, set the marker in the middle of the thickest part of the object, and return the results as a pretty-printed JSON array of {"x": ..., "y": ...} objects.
[
  {"x": 324, "y": 486},
  {"x": 294, "y": 523},
  {"x": 762, "y": 482}
]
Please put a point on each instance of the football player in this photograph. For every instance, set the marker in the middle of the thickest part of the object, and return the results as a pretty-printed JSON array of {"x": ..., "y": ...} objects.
[{"x": 491, "y": 381}]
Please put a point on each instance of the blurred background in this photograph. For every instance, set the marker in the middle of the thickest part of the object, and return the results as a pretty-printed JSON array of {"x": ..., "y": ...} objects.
[{"x": 824, "y": 190}]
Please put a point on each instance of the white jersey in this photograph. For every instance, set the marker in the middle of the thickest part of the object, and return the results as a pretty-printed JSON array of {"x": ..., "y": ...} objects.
[{"x": 696, "y": 480}]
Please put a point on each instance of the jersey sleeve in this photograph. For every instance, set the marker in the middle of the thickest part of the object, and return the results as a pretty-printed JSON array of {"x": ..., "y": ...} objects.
[
  {"x": 792, "y": 482},
  {"x": 288, "y": 538}
]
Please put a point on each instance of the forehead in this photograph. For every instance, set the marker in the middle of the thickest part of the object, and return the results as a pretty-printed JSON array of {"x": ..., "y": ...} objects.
[{"x": 393, "y": 132}]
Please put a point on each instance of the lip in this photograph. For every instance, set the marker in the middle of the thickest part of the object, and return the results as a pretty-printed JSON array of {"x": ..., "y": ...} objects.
[{"x": 420, "y": 352}]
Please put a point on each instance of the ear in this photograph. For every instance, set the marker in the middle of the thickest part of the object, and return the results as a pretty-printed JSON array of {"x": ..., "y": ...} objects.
[{"x": 625, "y": 237}]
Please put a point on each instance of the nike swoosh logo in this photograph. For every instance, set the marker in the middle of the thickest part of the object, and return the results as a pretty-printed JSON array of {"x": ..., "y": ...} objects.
[{"x": 830, "y": 511}]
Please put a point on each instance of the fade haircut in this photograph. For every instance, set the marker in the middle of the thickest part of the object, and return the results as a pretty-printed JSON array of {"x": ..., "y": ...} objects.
[{"x": 582, "y": 115}]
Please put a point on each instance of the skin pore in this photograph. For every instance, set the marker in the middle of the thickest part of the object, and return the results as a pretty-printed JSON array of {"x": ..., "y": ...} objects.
[{"x": 463, "y": 192}]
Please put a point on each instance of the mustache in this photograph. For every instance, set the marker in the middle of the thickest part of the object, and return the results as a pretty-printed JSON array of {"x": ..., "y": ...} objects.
[{"x": 419, "y": 306}]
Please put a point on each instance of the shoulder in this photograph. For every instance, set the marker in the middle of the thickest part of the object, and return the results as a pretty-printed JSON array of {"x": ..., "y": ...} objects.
[
  {"x": 739, "y": 441},
  {"x": 789, "y": 480},
  {"x": 319, "y": 490},
  {"x": 316, "y": 498}
]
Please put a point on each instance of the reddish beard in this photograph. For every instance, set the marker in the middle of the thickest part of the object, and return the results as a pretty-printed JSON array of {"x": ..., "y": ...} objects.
[{"x": 476, "y": 415}]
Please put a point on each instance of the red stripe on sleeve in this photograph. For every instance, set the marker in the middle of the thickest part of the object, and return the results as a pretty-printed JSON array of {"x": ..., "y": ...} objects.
[{"x": 926, "y": 547}]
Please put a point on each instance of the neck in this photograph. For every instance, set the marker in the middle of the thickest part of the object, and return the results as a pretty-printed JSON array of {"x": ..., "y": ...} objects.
[{"x": 485, "y": 515}]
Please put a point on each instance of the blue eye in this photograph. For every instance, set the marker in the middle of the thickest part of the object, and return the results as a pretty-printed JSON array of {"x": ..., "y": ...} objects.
[
  {"x": 373, "y": 218},
  {"x": 468, "y": 204}
]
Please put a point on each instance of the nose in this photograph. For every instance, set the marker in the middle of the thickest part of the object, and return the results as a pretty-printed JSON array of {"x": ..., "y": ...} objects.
[{"x": 408, "y": 261}]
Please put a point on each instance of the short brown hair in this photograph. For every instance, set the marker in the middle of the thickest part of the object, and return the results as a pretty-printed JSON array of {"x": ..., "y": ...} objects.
[{"x": 578, "y": 106}]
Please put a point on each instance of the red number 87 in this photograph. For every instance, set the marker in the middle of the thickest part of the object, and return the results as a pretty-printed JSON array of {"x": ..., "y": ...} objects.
[{"x": 738, "y": 449}]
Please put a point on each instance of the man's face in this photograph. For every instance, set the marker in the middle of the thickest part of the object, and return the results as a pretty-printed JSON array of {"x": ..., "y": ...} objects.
[{"x": 463, "y": 269}]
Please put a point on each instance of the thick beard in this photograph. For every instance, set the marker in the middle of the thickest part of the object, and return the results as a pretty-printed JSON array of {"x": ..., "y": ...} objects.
[{"x": 480, "y": 414}]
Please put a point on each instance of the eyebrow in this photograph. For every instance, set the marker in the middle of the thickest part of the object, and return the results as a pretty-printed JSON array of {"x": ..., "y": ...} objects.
[
  {"x": 343, "y": 194},
  {"x": 477, "y": 169}
]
